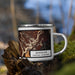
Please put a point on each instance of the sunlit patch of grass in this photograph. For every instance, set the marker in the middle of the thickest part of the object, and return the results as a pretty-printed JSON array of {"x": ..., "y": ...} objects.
[{"x": 3, "y": 69}]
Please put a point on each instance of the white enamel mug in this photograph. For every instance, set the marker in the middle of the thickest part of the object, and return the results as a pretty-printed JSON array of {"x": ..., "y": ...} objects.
[{"x": 43, "y": 54}]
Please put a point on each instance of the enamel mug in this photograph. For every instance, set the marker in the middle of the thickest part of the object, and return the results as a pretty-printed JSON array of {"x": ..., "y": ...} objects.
[{"x": 36, "y": 42}]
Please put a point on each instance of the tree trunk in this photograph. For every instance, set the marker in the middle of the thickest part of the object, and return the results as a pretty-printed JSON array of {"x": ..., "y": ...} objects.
[
  {"x": 18, "y": 66},
  {"x": 12, "y": 8},
  {"x": 72, "y": 36}
]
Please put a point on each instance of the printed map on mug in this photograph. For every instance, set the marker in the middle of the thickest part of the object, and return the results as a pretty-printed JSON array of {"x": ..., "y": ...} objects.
[{"x": 35, "y": 43}]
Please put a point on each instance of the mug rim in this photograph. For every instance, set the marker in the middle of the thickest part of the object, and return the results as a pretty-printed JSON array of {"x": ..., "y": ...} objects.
[{"x": 36, "y": 25}]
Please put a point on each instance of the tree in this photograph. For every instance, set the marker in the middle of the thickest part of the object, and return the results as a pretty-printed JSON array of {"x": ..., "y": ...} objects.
[
  {"x": 12, "y": 8},
  {"x": 72, "y": 36}
]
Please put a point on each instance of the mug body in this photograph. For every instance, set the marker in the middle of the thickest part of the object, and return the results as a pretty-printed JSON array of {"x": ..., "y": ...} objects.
[{"x": 36, "y": 42}]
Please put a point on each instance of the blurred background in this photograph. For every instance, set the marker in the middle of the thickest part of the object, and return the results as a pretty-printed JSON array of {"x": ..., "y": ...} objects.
[{"x": 15, "y": 12}]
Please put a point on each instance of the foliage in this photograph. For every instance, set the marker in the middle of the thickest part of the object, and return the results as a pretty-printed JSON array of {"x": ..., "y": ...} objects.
[
  {"x": 68, "y": 69},
  {"x": 69, "y": 54}
]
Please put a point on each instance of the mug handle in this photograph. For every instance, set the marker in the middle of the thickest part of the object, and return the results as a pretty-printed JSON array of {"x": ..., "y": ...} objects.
[{"x": 59, "y": 34}]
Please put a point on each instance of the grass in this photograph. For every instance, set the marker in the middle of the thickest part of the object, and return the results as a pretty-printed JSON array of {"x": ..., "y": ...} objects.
[
  {"x": 3, "y": 70},
  {"x": 69, "y": 54},
  {"x": 68, "y": 69}
]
